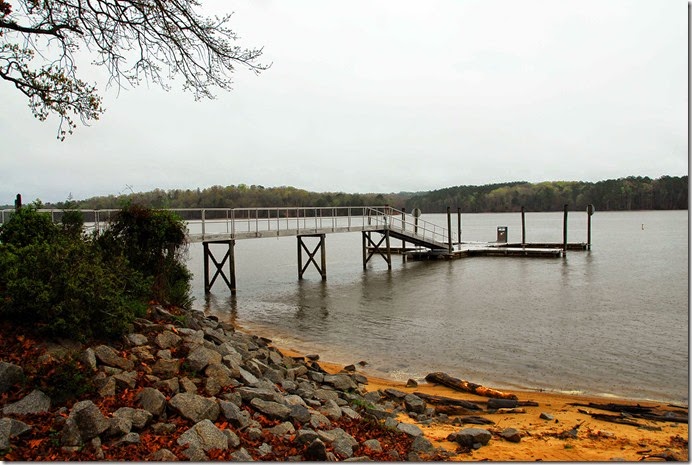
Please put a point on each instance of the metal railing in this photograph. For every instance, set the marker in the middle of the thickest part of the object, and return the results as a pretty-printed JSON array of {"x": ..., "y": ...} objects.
[{"x": 245, "y": 223}]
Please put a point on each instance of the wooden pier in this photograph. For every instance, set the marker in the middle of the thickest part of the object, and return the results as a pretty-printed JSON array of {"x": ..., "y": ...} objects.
[{"x": 218, "y": 229}]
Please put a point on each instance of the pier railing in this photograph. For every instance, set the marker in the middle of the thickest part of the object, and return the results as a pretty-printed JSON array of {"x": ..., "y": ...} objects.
[{"x": 245, "y": 223}]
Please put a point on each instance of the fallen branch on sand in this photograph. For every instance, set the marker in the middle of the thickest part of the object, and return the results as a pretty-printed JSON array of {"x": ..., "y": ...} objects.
[{"x": 466, "y": 386}]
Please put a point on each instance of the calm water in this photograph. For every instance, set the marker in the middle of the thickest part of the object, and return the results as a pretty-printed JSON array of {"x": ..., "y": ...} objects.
[{"x": 612, "y": 321}]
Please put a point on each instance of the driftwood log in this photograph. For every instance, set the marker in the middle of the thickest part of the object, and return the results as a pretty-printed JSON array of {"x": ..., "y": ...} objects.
[
  {"x": 441, "y": 400},
  {"x": 466, "y": 386}
]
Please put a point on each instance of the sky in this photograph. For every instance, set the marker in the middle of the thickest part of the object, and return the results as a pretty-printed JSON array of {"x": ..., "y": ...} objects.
[{"x": 387, "y": 96}]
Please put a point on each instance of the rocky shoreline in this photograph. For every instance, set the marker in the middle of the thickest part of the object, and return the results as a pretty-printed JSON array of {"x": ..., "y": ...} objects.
[{"x": 189, "y": 387}]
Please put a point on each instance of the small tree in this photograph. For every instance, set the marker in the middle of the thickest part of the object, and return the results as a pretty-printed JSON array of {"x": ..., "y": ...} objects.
[{"x": 134, "y": 40}]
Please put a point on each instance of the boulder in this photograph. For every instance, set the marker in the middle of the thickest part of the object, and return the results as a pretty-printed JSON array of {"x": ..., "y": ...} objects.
[
  {"x": 162, "y": 455},
  {"x": 342, "y": 448},
  {"x": 271, "y": 409},
  {"x": 10, "y": 374},
  {"x": 195, "y": 408},
  {"x": 340, "y": 382},
  {"x": 422, "y": 444},
  {"x": 469, "y": 437},
  {"x": 166, "y": 368},
  {"x": 511, "y": 435},
  {"x": 413, "y": 403},
  {"x": 35, "y": 402},
  {"x": 110, "y": 357},
  {"x": 136, "y": 339},
  {"x": 167, "y": 340},
  {"x": 200, "y": 357},
  {"x": 89, "y": 420},
  {"x": 152, "y": 400},
  {"x": 316, "y": 451},
  {"x": 10, "y": 428},
  {"x": 88, "y": 358},
  {"x": 373, "y": 444},
  {"x": 204, "y": 435},
  {"x": 331, "y": 410},
  {"x": 300, "y": 413},
  {"x": 411, "y": 430},
  {"x": 139, "y": 417}
]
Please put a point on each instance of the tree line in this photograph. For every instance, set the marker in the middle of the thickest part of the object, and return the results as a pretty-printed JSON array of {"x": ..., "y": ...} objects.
[{"x": 631, "y": 193}]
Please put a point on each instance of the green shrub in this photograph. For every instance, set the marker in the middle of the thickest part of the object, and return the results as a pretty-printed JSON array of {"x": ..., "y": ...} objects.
[
  {"x": 154, "y": 242},
  {"x": 28, "y": 226}
]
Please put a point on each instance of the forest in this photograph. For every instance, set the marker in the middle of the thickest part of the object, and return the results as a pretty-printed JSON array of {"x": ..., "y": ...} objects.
[{"x": 630, "y": 193}]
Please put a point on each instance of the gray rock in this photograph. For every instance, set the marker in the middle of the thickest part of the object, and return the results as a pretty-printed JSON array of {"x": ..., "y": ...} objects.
[
  {"x": 35, "y": 402},
  {"x": 411, "y": 430},
  {"x": 271, "y": 409},
  {"x": 342, "y": 447},
  {"x": 166, "y": 368},
  {"x": 411, "y": 383},
  {"x": 186, "y": 385},
  {"x": 305, "y": 435},
  {"x": 247, "y": 377},
  {"x": 11, "y": 428},
  {"x": 129, "y": 438},
  {"x": 414, "y": 403},
  {"x": 119, "y": 426},
  {"x": 300, "y": 413},
  {"x": 317, "y": 420},
  {"x": 163, "y": 428},
  {"x": 139, "y": 417},
  {"x": 162, "y": 455},
  {"x": 361, "y": 458},
  {"x": 315, "y": 376},
  {"x": 235, "y": 414},
  {"x": 391, "y": 422},
  {"x": 249, "y": 393},
  {"x": 340, "y": 382},
  {"x": 88, "y": 419},
  {"x": 171, "y": 385},
  {"x": 373, "y": 444},
  {"x": 264, "y": 449},
  {"x": 204, "y": 435},
  {"x": 69, "y": 436},
  {"x": 218, "y": 374},
  {"x": 137, "y": 339},
  {"x": 143, "y": 353},
  {"x": 316, "y": 451},
  {"x": 10, "y": 374},
  {"x": 350, "y": 413},
  {"x": 88, "y": 358},
  {"x": 294, "y": 400},
  {"x": 331, "y": 410},
  {"x": 395, "y": 393},
  {"x": 241, "y": 455},
  {"x": 200, "y": 357},
  {"x": 165, "y": 354},
  {"x": 233, "y": 439},
  {"x": 126, "y": 379},
  {"x": 153, "y": 401},
  {"x": 167, "y": 340},
  {"x": 283, "y": 428},
  {"x": 546, "y": 416},
  {"x": 195, "y": 408},
  {"x": 470, "y": 436},
  {"x": 511, "y": 435},
  {"x": 421, "y": 445},
  {"x": 325, "y": 395},
  {"x": 109, "y": 356},
  {"x": 254, "y": 433},
  {"x": 195, "y": 454}
]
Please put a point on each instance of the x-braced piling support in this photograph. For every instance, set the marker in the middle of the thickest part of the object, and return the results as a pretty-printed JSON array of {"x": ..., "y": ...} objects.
[
  {"x": 228, "y": 257},
  {"x": 387, "y": 255},
  {"x": 322, "y": 270}
]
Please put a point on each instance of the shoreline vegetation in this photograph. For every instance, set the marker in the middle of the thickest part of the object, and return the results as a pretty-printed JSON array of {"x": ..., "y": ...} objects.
[
  {"x": 630, "y": 193},
  {"x": 185, "y": 386}
]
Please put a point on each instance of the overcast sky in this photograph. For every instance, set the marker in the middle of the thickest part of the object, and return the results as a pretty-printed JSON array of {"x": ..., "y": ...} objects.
[{"x": 389, "y": 96}]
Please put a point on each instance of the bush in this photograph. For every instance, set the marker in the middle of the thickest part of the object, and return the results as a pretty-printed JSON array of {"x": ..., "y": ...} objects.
[
  {"x": 71, "y": 285},
  {"x": 154, "y": 242}
]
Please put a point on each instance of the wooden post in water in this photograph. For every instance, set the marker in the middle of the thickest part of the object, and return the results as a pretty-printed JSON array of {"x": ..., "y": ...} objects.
[
  {"x": 403, "y": 226},
  {"x": 449, "y": 231},
  {"x": 564, "y": 232},
  {"x": 589, "y": 212},
  {"x": 459, "y": 223},
  {"x": 229, "y": 256},
  {"x": 523, "y": 225}
]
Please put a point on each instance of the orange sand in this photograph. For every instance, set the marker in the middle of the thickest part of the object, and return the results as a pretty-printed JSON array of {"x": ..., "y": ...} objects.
[{"x": 596, "y": 440}]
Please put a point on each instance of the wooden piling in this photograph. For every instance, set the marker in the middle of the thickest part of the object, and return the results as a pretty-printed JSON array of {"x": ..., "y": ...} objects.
[
  {"x": 523, "y": 225},
  {"x": 459, "y": 224},
  {"x": 449, "y": 231},
  {"x": 564, "y": 232},
  {"x": 228, "y": 256},
  {"x": 589, "y": 212}
]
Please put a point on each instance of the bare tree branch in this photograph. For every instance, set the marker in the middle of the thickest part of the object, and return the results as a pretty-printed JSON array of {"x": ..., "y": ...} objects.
[{"x": 135, "y": 40}]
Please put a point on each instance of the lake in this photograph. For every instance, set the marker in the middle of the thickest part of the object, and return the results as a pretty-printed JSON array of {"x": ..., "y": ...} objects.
[{"x": 610, "y": 321}]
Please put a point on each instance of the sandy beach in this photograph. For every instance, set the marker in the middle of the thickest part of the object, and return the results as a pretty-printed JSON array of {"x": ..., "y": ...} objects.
[{"x": 571, "y": 435}]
